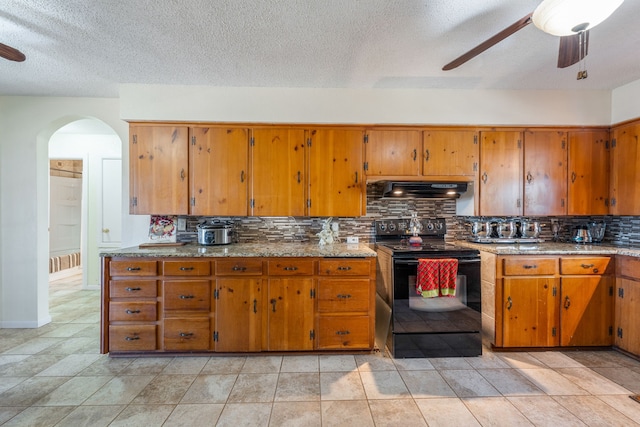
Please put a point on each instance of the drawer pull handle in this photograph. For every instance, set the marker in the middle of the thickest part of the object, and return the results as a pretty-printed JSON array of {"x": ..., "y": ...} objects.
[
  {"x": 342, "y": 332},
  {"x": 238, "y": 268},
  {"x": 134, "y": 268},
  {"x": 343, "y": 296},
  {"x": 567, "y": 302},
  {"x": 290, "y": 268},
  {"x": 587, "y": 265},
  {"x": 131, "y": 338},
  {"x": 186, "y": 268},
  {"x": 528, "y": 267},
  {"x": 186, "y": 297},
  {"x": 509, "y": 303},
  {"x": 185, "y": 334},
  {"x": 128, "y": 289},
  {"x": 132, "y": 311},
  {"x": 347, "y": 268}
]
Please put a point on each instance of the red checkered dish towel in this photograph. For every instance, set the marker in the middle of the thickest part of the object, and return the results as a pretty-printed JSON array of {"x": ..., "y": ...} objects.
[{"x": 437, "y": 277}]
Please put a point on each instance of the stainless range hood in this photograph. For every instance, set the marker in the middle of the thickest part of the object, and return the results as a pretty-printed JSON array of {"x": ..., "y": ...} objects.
[{"x": 422, "y": 189}]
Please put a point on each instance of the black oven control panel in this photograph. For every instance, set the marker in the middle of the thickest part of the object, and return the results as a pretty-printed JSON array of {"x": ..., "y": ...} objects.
[{"x": 401, "y": 227}]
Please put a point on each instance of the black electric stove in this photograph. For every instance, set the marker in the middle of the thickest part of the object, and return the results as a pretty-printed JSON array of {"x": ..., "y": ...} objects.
[{"x": 427, "y": 327}]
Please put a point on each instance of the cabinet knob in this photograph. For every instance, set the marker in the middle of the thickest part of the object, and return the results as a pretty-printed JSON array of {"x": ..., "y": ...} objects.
[{"x": 105, "y": 230}]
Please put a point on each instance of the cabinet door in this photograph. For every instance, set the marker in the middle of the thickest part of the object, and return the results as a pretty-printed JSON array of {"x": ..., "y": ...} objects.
[
  {"x": 545, "y": 179},
  {"x": 238, "y": 314},
  {"x": 586, "y": 313},
  {"x": 627, "y": 313},
  {"x": 450, "y": 153},
  {"x": 588, "y": 173},
  {"x": 393, "y": 152},
  {"x": 277, "y": 172},
  {"x": 158, "y": 170},
  {"x": 218, "y": 172},
  {"x": 290, "y": 314},
  {"x": 336, "y": 183},
  {"x": 530, "y": 316},
  {"x": 501, "y": 173},
  {"x": 625, "y": 171}
]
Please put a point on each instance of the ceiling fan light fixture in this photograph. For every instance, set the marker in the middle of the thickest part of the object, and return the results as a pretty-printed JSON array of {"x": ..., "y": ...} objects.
[{"x": 566, "y": 17}]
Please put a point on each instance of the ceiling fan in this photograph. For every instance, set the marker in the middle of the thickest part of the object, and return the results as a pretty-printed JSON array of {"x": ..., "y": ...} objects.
[
  {"x": 12, "y": 54},
  {"x": 569, "y": 19}
]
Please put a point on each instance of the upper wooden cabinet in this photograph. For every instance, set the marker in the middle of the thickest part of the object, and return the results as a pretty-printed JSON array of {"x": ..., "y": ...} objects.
[
  {"x": 501, "y": 173},
  {"x": 545, "y": 168},
  {"x": 336, "y": 180},
  {"x": 278, "y": 174},
  {"x": 588, "y": 173},
  {"x": 218, "y": 170},
  {"x": 393, "y": 152},
  {"x": 625, "y": 170},
  {"x": 450, "y": 153},
  {"x": 158, "y": 169}
]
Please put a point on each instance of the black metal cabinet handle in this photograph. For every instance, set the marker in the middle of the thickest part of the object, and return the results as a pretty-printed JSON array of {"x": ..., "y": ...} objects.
[
  {"x": 427, "y": 155},
  {"x": 567, "y": 302},
  {"x": 187, "y": 268},
  {"x": 573, "y": 177},
  {"x": 299, "y": 177},
  {"x": 185, "y": 334},
  {"x": 242, "y": 176},
  {"x": 255, "y": 305},
  {"x": 585, "y": 266},
  {"x": 238, "y": 268},
  {"x": 290, "y": 268},
  {"x": 131, "y": 338},
  {"x": 132, "y": 311},
  {"x": 342, "y": 332},
  {"x": 134, "y": 268},
  {"x": 415, "y": 154},
  {"x": 128, "y": 289},
  {"x": 509, "y": 303},
  {"x": 273, "y": 303},
  {"x": 485, "y": 177},
  {"x": 343, "y": 296},
  {"x": 186, "y": 297},
  {"x": 529, "y": 267}
]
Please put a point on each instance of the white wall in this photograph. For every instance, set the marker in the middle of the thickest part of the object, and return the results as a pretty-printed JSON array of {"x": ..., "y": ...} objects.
[
  {"x": 26, "y": 124},
  {"x": 198, "y": 103},
  {"x": 625, "y": 102}
]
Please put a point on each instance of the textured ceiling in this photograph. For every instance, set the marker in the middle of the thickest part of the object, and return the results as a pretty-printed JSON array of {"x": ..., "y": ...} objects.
[{"x": 87, "y": 48}]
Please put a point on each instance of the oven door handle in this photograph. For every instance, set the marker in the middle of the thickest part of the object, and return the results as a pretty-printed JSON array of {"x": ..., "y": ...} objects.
[{"x": 415, "y": 261}]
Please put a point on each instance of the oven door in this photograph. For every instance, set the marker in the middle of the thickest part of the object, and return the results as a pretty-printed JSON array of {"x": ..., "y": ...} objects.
[{"x": 413, "y": 313}]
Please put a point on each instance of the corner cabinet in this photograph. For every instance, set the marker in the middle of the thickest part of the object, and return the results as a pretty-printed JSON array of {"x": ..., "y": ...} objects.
[
  {"x": 551, "y": 301},
  {"x": 158, "y": 169},
  {"x": 625, "y": 170},
  {"x": 627, "y": 304},
  {"x": 234, "y": 305}
]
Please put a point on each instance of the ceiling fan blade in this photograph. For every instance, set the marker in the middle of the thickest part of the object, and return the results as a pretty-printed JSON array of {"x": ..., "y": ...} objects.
[
  {"x": 520, "y": 24},
  {"x": 570, "y": 49},
  {"x": 11, "y": 54}
]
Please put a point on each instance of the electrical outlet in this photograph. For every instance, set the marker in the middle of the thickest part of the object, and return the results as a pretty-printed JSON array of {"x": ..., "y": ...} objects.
[
  {"x": 182, "y": 224},
  {"x": 352, "y": 239}
]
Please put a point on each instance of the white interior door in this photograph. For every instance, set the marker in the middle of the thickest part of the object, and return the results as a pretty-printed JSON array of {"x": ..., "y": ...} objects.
[{"x": 65, "y": 215}]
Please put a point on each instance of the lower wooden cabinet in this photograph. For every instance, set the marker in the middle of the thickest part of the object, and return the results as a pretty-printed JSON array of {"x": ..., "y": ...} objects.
[
  {"x": 549, "y": 301},
  {"x": 627, "y": 304},
  {"x": 231, "y": 305}
]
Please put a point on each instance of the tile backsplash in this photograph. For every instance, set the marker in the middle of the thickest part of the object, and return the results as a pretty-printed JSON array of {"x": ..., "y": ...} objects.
[{"x": 620, "y": 230}]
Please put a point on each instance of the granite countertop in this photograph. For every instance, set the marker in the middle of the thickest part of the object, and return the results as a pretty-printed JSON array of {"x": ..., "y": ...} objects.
[
  {"x": 550, "y": 248},
  {"x": 269, "y": 249}
]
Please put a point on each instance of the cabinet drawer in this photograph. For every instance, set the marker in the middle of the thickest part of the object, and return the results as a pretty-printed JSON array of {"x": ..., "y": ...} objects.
[
  {"x": 593, "y": 265},
  {"x": 345, "y": 267},
  {"x": 239, "y": 267},
  {"x": 285, "y": 267},
  {"x": 142, "y": 311},
  {"x": 133, "y": 267},
  {"x": 186, "y": 334},
  {"x": 133, "y": 289},
  {"x": 132, "y": 338},
  {"x": 187, "y": 295},
  {"x": 346, "y": 295},
  {"x": 529, "y": 266},
  {"x": 186, "y": 268},
  {"x": 628, "y": 267},
  {"x": 343, "y": 332}
]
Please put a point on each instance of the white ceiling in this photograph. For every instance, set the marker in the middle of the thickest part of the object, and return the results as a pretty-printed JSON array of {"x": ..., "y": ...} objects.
[{"x": 87, "y": 48}]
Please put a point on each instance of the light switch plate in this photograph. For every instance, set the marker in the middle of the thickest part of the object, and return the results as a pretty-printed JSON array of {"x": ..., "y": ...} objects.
[
  {"x": 352, "y": 239},
  {"x": 182, "y": 224}
]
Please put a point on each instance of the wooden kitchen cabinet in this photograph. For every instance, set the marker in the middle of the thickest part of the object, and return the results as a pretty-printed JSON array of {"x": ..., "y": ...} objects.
[
  {"x": 545, "y": 173},
  {"x": 218, "y": 171},
  {"x": 345, "y": 304},
  {"x": 393, "y": 152},
  {"x": 588, "y": 173},
  {"x": 625, "y": 170},
  {"x": 158, "y": 169},
  {"x": 586, "y": 301},
  {"x": 291, "y": 298},
  {"x": 336, "y": 180},
  {"x": 529, "y": 302},
  {"x": 450, "y": 153},
  {"x": 239, "y": 305},
  {"x": 501, "y": 165},
  {"x": 278, "y": 173},
  {"x": 627, "y": 304}
]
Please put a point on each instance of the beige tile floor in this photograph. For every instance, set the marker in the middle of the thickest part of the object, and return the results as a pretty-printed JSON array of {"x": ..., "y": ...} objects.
[{"x": 55, "y": 376}]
